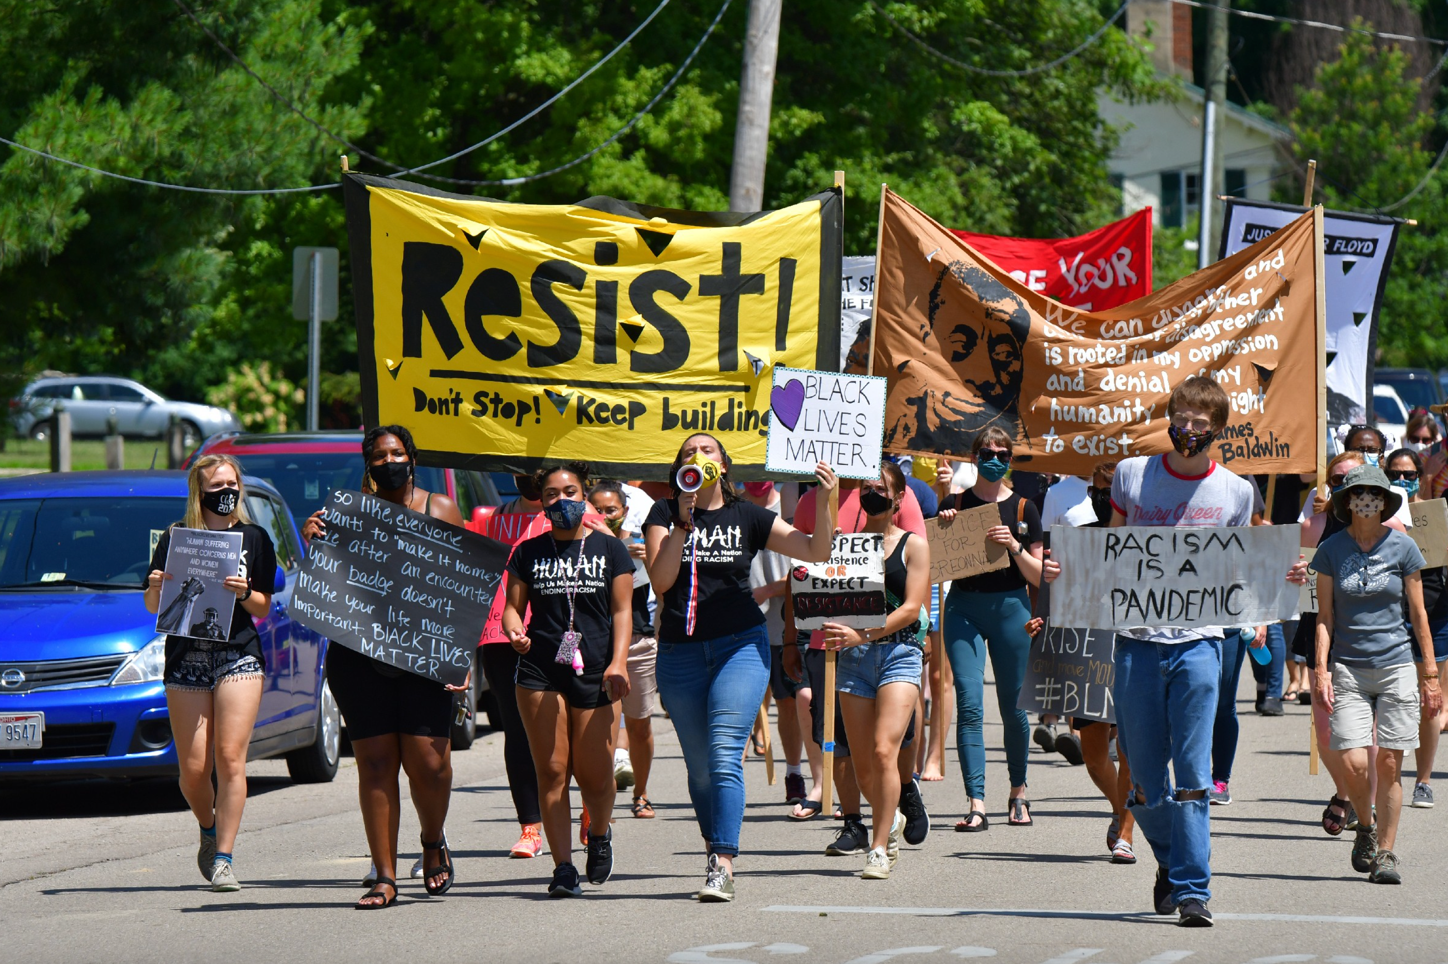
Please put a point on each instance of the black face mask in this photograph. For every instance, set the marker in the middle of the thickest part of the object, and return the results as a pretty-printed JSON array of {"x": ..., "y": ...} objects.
[
  {"x": 1101, "y": 503},
  {"x": 527, "y": 488},
  {"x": 221, "y": 501},
  {"x": 390, "y": 476},
  {"x": 874, "y": 503},
  {"x": 1189, "y": 444}
]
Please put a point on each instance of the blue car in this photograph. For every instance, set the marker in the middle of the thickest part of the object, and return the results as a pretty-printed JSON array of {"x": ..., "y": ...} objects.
[{"x": 81, "y": 693}]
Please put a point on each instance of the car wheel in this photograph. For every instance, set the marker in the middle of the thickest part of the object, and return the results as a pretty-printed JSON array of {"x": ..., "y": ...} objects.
[
  {"x": 190, "y": 435},
  {"x": 40, "y": 431},
  {"x": 318, "y": 763},
  {"x": 464, "y": 733}
]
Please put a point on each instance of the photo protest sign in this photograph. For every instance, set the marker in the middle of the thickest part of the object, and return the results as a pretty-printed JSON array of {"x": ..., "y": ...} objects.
[
  {"x": 399, "y": 586},
  {"x": 1430, "y": 530},
  {"x": 1159, "y": 577},
  {"x": 1357, "y": 253},
  {"x": 966, "y": 346},
  {"x": 506, "y": 335},
  {"x": 857, "y": 301},
  {"x": 848, "y": 589},
  {"x": 1307, "y": 596},
  {"x": 194, "y": 601},
  {"x": 959, "y": 548},
  {"x": 1070, "y": 672},
  {"x": 825, "y": 417}
]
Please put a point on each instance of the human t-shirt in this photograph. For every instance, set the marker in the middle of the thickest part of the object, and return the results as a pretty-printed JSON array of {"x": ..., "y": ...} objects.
[
  {"x": 1368, "y": 629},
  {"x": 584, "y": 567},
  {"x": 1149, "y": 493},
  {"x": 721, "y": 547},
  {"x": 258, "y": 567}
]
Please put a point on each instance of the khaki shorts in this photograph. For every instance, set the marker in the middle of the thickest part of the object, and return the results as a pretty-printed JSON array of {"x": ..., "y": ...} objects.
[
  {"x": 643, "y": 685},
  {"x": 1361, "y": 693}
]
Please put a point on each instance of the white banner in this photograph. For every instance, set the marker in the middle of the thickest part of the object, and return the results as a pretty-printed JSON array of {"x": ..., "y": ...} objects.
[{"x": 857, "y": 301}]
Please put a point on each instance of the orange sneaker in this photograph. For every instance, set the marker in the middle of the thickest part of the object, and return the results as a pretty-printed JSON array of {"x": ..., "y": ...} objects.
[
  {"x": 583, "y": 827},
  {"x": 530, "y": 844}
]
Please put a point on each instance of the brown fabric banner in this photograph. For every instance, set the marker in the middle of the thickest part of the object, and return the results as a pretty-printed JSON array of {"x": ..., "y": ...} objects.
[{"x": 965, "y": 346}]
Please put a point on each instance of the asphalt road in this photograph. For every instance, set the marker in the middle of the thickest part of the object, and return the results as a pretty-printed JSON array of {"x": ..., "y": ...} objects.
[{"x": 100, "y": 872}]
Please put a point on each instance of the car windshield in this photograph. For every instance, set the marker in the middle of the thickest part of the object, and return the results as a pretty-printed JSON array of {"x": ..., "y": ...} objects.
[
  {"x": 89, "y": 542},
  {"x": 305, "y": 480},
  {"x": 1415, "y": 393},
  {"x": 1387, "y": 409}
]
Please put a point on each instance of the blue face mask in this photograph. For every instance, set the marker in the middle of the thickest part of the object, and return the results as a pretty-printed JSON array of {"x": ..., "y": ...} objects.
[
  {"x": 992, "y": 469},
  {"x": 565, "y": 513},
  {"x": 1410, "y": 488},
  {"x": 1371, "y": 457}
]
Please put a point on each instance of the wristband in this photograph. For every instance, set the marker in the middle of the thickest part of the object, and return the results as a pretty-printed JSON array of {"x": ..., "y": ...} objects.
[
  {"x": 249, "y": 591},
  {"x": 1428, "y": 676}
]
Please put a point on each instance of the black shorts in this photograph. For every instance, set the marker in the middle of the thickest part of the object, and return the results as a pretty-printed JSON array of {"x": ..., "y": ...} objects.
[
  {"x": 374, "y": 702},
  {"x": 814, "y": 662},
  {"x": 537, "y": 670},
  {"x": 781, "y": 687},
  {"x": 1081, "y": 722}
]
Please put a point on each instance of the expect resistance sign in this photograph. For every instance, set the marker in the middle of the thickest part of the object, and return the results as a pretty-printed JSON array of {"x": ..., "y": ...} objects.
[{"x": 504, "y": 334}]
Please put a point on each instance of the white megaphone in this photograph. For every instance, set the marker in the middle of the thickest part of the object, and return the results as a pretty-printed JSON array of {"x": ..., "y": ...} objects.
[{"x": 697, "y": 473}]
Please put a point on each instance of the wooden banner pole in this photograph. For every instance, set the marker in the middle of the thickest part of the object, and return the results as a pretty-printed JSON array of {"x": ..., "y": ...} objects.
[
  {"x": 826, "y": 798},
  {"x": 1319, "y": 282},
  {"x": 762, "y": 721}
]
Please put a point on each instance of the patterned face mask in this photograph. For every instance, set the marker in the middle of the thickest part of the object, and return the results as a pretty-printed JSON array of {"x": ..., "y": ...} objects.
[{"x": 1369, "y": 505}]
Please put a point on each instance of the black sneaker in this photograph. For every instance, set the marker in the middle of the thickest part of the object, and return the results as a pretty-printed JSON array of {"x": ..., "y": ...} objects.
[
  {"x": 565, "y": 882},
  {"x": 1271, "y": 707},
  {"x": 600, "y": 858},
  {"x": 1045, "y": 737},
  {"x": 1364, "y": 849},
  {"x": 852, "y": 838},
  {"x": 1194, "y": 913},
  {"x": 917, "y": 818},
  {"x": 1161, "y": 893},
  {"x": 1068, "y": 744},
  {"x": 1385, "y": 868}
]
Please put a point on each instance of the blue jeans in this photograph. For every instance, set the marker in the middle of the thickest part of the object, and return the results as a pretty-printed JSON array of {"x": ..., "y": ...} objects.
[
  {"x": 978, "y": 624},
  {"x": 1166, "y": 699},
  {"x": 712, "y": 690},
  {"x": 1269, "y": 677},
  {"x": 1225, "y": 728}
]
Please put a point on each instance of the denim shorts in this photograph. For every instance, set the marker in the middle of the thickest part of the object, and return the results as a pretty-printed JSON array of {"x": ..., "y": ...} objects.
[
  {"x": 209, "y": 662},
  {"x": 862, "y": 670}
]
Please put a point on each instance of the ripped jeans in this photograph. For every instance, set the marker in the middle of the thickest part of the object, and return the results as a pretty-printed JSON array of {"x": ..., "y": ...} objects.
[{"x": 1166, "y": 702}]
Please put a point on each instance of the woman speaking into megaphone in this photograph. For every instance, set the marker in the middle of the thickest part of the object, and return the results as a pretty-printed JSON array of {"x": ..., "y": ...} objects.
[{"x": 713, "y": 663}]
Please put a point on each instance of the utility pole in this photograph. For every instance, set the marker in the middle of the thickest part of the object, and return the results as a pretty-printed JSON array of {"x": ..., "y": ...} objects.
[
  {"x": 756, "y": 95},
  {"x": 1214, "y": 103}
]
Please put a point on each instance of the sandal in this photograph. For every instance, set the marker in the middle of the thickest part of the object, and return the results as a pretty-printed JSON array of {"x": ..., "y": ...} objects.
[
  {"x": 965, "y": 826},
  {"x": 1122, "y": 853},
  {"x": 376, "y": 892},
  {"x": 1113, "y": 832},
  {"x": 446, "y": 867},
  {"x": 758, "y": 742},
  {"x": 1333, "y": 825},
  {"x": 642, "y": 808},
  {"x": 806, "y": 809},
  {"x": 1019, "y": 810}
]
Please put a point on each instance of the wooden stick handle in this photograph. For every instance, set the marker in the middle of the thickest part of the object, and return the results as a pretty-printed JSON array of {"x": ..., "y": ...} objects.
[
  {"x": 762, "y": 721},
  {"x": 828, "y": 784}
]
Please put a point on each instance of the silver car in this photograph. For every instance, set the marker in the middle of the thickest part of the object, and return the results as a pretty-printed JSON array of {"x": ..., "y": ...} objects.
[{"x": 92, "y": 400}]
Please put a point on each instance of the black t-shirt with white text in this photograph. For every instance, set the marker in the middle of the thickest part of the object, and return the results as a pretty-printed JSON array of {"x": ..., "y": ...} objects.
[
  {"x": 725, "y": 541},
  {"x": 551, "y": 569}
]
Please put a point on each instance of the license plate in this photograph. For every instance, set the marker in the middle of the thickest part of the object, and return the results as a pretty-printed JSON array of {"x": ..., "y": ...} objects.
[{"x": 21, "y": 731}]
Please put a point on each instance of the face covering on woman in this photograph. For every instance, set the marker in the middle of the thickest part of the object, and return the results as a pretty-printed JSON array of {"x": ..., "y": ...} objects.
[
  {"x": 390, "y": 476},
  {"x": 221, "y": 501},
  {"x": 992, "y": 469},
  {"x": 1418, "y": 447},
  {"x": 874, "y": 503},
  {"x": 1369, "y": 505},
  {"x": 1410, "y": 489},
  {"x": 565, "y": 513}
]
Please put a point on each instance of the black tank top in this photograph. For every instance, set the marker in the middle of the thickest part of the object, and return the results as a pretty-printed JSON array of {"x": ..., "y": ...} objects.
[{"x": 895, "y": 570}]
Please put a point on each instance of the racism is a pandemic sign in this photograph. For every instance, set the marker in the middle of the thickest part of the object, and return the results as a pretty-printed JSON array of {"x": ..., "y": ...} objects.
[
  {"x": 966, "y": 346},
  {"x": 504, "y": 335}
]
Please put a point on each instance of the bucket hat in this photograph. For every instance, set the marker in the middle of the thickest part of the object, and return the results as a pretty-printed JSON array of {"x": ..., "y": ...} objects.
[{"x": 1366, "y": 477}]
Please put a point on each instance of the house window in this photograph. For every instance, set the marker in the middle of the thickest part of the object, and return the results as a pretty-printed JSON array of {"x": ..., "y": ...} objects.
[
  {"x": 1192, "y": 187},
  {"x": 1236, "y": 182},
  {"x": 1118, "y": 184},
  {"x": 1171, "y": 199}
]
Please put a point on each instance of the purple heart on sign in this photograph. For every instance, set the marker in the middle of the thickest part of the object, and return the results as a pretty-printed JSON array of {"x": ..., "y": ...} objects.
[{"x": 787, "y": 403}]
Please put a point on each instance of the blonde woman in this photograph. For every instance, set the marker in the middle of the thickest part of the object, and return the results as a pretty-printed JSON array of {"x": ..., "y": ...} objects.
[{"x": 213, "y": 686}]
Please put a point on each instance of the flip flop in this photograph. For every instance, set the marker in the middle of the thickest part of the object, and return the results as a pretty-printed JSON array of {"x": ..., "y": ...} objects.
[
  {"x": 1019, "y": 810},
  {"x": 806, "y": 809},
  {"x": 965, "y": 826}
]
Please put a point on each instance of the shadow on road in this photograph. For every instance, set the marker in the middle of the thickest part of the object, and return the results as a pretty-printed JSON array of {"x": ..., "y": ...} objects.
[{"x": 106, "y": 798}]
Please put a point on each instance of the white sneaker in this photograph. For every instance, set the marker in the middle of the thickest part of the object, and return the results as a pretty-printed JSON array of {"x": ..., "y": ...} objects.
[
  {"x": 371, "y": 879},
  {"x": 623, "y": 774},
  {"x": 877, "y": 865},
  {"x": 892, "y": 842},
  {"x": 223, "y": 880}
]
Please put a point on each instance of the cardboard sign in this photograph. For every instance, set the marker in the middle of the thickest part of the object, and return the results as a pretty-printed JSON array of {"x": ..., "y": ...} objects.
[
  {"x": 511, "y": 336},
  {"x": 966, "y": 346},
  {"x": 399, "y": 586},
  {"x": 1307, "y": 596},
  {"x": 825, "y": 417},
  {"x": 194, "y": 601},
  {"x": 1430, "y": 530},
  {"x": 959, "y": 548},
  {"x": 1070, "y": 672},
  {"x": 848, "y": 589},
  {"x": 1160, "y": 577}
]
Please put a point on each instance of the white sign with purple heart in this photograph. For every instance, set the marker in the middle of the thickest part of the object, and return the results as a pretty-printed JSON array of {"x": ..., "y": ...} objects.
[{"x": 825, "y": 417}]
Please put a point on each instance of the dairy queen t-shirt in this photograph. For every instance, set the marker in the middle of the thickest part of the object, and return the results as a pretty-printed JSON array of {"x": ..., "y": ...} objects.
[
  {"x": 588, "y": 566},
  {"x": 725, "y": 541}
]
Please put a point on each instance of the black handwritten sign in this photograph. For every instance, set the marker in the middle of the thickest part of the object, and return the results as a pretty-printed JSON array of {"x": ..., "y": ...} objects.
[
  {"x": 1070, "y": 673},
  {"x": 848, "y": 589},
  {"x": 399, "y": 586},
  {"x": 1146, "y": 577}
]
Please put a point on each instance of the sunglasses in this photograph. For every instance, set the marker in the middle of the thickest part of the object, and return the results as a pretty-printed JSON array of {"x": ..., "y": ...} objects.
[
  {"x": 1407, "y": 475},
  {"x": 1421, "y": 439},
  {"x": 1336, "y": 480},
  {"x": 1001, "y": 454}
]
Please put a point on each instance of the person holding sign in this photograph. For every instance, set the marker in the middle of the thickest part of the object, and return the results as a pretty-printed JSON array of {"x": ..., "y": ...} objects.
[
  {"x": 1366, "y": 575},
  {"x": 213, "y": 686},
  {"x": 713, "y": 664},
  {"x": 397, "y": 721},
  {"x": 573, "y": 666},
  {"x": 987, "y": 614},
  {"x": 879, "y": 671}
]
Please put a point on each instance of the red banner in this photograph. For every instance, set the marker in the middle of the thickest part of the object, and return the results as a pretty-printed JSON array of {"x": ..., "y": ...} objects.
[
  {"x": 511, "y": 528},
  {"x": 1103, "y": 269}
]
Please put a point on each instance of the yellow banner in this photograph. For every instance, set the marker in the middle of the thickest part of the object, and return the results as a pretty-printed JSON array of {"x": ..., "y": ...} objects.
[{"x": 507, "y": 336}]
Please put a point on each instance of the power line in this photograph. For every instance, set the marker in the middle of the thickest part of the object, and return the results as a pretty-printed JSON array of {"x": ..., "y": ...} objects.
[
  {"x": 514, "y": 181},
  {"x": 972, "y": 68},
  {"x": 1253, "y": 15}
]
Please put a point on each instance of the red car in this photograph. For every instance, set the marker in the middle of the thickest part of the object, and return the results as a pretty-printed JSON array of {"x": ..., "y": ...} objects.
[{"x": 306, "y": 466}]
